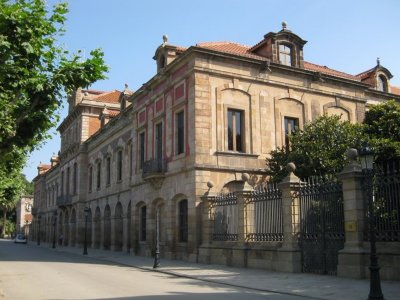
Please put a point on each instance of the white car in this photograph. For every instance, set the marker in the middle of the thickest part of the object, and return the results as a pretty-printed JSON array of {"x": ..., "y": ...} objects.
[{"x": 20, "y": 238}]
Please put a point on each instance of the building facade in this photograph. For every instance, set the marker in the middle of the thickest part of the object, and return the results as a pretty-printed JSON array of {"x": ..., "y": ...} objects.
[
  {"x": 24, "y": 214},
  {"x": 207, "y": 119}
]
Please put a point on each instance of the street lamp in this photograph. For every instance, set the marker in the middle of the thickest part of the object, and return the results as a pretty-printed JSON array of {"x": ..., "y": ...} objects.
[
  {"x": 367, "y": 164},
  {"x": 54, "y": 228},
  {"x": 157, "y": 254},
  {"x": 38, "y": 237},
  {"x": 86, "y": 211}
]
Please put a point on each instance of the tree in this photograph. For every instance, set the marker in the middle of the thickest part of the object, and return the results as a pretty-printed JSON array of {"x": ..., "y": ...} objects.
[
  {"x": 35, "y": 76},
  {"x": 318, "y": 149},
  {"x": 382, "y": 127}
]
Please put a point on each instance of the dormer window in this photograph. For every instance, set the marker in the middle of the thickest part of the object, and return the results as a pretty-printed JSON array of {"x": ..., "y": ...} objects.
[
  {"x": 382, "y": 84},
  {"x": 285, "y": 55}
]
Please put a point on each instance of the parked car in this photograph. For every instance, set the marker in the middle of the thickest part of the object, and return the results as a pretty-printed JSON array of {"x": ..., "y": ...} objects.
[{"x": 20, "y": 238}]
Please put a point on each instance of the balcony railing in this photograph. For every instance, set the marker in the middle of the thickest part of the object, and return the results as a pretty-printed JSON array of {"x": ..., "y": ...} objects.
[
  {"x": 64, "y": 200},
  {"x": 154, "y": 167}
]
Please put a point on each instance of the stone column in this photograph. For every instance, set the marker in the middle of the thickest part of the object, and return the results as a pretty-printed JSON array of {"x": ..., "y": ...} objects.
[
  {"x": 354, "y": 256},
  {"x": 289, "y": 255},
  {"x": 239, "y": 253},
  {"x": 206, "y": 228}
]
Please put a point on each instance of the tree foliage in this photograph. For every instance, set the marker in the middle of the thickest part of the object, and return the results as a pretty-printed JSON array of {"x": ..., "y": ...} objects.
[
  {"x": 35, "y": 75},
  {"x": 317, "y": 149},
  {"x": 382, "y": 127}
]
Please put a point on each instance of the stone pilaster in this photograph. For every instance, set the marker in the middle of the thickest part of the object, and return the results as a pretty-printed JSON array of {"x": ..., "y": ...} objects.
[
  {"x": 289, "y": 256},
  {"x": 352, "y": 258}
]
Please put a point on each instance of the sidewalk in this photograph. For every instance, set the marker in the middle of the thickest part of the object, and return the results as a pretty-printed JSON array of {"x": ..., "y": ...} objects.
[{"x": 300, "y": 284}]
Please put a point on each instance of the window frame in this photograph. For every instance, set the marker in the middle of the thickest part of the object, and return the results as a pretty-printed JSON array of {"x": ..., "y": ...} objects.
[
  {"x": 288, "y": 120},
  {"x": 108, "y": 170},
  {"x": 98, "y": 177},
  {"x": 90, "y": 178},
  {"x": 232, "y": 145},
  {"x": 283, "y": 54},
  {"x": 141, "y": 149},
  {"x": 119, "y": 165},
  {"x": 180, "y": 132}
]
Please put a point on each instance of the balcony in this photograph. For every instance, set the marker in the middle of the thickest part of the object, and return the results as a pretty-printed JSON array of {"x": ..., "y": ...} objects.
[
  {"x": 64, "y": 200},
  {"x": 154, "y": 172}
]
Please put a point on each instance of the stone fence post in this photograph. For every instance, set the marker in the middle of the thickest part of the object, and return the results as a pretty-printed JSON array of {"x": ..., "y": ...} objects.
[
  {"x": 289, "y": 256},
  {"x": 352, "y": 257}
]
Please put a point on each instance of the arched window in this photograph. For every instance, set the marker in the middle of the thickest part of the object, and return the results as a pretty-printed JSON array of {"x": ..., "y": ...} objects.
[{"x": 382, "y": 84}]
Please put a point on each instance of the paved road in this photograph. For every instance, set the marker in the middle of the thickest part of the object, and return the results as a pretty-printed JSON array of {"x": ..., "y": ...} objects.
[{"x": 32, "y": 272}]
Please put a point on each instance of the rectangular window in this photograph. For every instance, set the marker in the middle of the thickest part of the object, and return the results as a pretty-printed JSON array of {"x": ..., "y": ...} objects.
[
  {"x": 285, "y": 55},
  {"x": 62, "y": 183},
  {"x": 183, "y": 221},
  {"x": 68, "y": 178},
  {"x": 90, "y": 178},
  {"x": 235, "y": 130},
  {"x": 180, "y": 132},
  {"x": 159, "y": 140},
  {"x": 108, "y": 170},
  {"x": 98, "y": 175},
  {"x": 75, "y": 178},
  {"x": 119, "y": 165},
  {"x": 130, "y": 159},
  {"x": 142, "y": 148},
  {"x": 143, "y": 223},
  {"x": 291, "y": 125}
]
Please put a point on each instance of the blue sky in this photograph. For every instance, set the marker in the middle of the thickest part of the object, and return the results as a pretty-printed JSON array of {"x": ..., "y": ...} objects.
[{"x": 346, "y": 35}]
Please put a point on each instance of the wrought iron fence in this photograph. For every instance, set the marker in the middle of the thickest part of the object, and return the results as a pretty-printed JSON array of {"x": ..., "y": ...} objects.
[
  {"x": 264, "y": 215},
  {"x": 224, "y": 213},
  {"x": 322, "y": 232},
  {"x": 386, "y": 202}
]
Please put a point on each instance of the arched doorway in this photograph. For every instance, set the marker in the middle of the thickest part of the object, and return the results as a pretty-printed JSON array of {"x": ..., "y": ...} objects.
[
  {"x": 73, "y": 227},
  {"x": 66, "y": 228},
  {"x": 89, "y": 228},
  {"x": 118, "y": 217},
  {"x": 97, "y": 228},
  {"x": 107, "y": 227},
  {"x": 129, "y": 227}
]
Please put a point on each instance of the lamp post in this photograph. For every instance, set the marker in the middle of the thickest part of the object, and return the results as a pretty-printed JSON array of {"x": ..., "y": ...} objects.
[
  {"x": 54, "y": 228},
  {"x": 38, "y": 237},
  {"x": 157, "y": 254},
  {"x": 367, "y": 164},
  {"x": 86, "y": 211}
]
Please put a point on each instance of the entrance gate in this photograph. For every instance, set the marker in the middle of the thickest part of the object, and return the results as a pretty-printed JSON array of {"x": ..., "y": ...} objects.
[{"x": 321, "y": 225}]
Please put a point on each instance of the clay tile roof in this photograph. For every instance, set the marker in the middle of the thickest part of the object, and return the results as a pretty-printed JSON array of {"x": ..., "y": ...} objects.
[
  {"x": 113, "y": 113},
  {"x": 229, "y": 47},
  {"x": 328, "y": 71},
  {"x": 109, "y": 97},
  {"x": 96, "y": 92},
  {"x": 395, "y": 90},
  {"x": 365, "y": 74}
]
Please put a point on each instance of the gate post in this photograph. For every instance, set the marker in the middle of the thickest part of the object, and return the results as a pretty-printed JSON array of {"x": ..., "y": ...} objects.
[
  {"x": 239, "y": 255},
  {"x": 353, "y": 257},
  {"x": 289, "y": 256},
  {"x": 204, "y": 255}
]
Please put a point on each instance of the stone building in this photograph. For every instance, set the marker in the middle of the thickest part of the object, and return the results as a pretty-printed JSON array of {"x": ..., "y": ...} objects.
[
  {"x": 211, "y": 113},
  {"x": 24, "y": 214}
]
